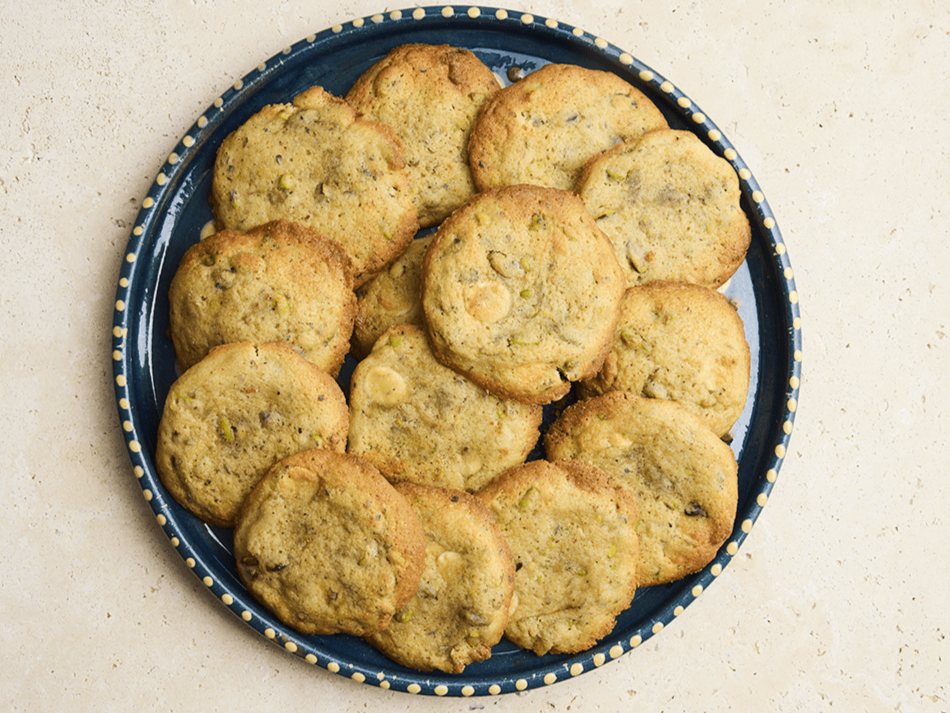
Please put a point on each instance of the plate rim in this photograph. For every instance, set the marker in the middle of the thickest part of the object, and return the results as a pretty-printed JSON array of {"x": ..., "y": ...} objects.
[{"x": 238, "y": 600}]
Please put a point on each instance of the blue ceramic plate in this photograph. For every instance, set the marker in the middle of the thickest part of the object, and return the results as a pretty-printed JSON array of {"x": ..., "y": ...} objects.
[{"x": 176, "y": 209}]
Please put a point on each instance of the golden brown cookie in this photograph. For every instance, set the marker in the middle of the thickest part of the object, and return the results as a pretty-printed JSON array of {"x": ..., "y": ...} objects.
[
  {"x": 670, "y": 207},
  {"x": 683, "y": 475},
  {"x": 233, "y": 414},
  {"x": 392, "y": 297},
  {"x": 316, "y": 162},
  {"x": 460, "y": 609},
  {"x": 521, "y": 292},
  {"x": 328, "y": 545},
  {"x": 572, "y": 532},
  {"x": 420, "y": 421},
  {"x": 680, "y": 342},
  {"x": 280, "y": 282},
  {"x": 430, "y": 94},
  {"x": 545, "y": 127}
]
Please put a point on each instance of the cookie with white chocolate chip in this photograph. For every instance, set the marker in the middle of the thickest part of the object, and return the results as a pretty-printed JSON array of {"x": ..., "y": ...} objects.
[
  {"x": 327, "y": 544},
  {"x": 460, "y": 609},
  {"x": 572, "y": 532},
  {"x": 684, "y": 477},
  {"x": 317, "y": 162},
  {"x": 280, "y": 282},
  {"x": 419, "y": 421},
  {"x": 681, "y": 342},
  {"x": 545, "y": 127},
  {"x": 233, "y": 414},
  {"x": 392, "y": 297},
  {"x": 430, "y": 94},
  {"x": 520, "y": 291},
  {"x": 670, "y": 207}
]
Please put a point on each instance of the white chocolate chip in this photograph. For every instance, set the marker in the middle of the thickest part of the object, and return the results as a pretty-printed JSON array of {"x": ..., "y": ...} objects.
[
  {"x": 386, "y": 386},
  {"x": 488, "y": 301}
]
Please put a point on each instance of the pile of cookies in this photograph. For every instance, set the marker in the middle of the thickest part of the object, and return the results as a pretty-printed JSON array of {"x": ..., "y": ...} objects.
[{"x": 577, "y": 249}]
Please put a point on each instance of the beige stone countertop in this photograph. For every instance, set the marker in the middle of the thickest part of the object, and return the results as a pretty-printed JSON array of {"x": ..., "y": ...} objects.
[{"x": 836, "y": 601}]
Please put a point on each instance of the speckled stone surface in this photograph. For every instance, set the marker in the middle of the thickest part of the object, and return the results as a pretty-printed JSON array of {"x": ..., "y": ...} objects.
[{"x": 837, "y": 598}]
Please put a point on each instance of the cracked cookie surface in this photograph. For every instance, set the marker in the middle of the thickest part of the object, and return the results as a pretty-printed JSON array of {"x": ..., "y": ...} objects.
[
  {"x": 670, "y": 207},
  {"x": 316, "y": 162},
  {"x": 572, "y": 533},
  {"x": 545, "y": 127},
  {"x": 328, "y": 545},
  {"x": 430, "y": 94},
  {"x": 680, "y": 342},
  {"x": 280, "y": 282},
  {"x": 460, "y": 609},
  {"x": 684, "y": 477},
  {"x": 233, "y": 414}
]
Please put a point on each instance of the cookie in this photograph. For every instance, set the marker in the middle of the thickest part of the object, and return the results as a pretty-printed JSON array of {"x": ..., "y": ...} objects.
[
  {"x": 670, "y": 207},
  {"x": 684, "y": 477},
  {"x": 680, "y": 342},
  {"x": 280, "y": 282},
  {"x": 572, "y": 532},
  {"x": 545, "y": 127},
  {"x": 460, "y": 609},
  {"x": 316, "y": 162},
  {"x": 520, "y": 292},
  {"x": 420, "y": 421},
  {"x": 392, "y": 297},
  {"x": 328, "y": 545},
  {"x": 430, "y": 94},
  {"x": 232, "y": 415}
]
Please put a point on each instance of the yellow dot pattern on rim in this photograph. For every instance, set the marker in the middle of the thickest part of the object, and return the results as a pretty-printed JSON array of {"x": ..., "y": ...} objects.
[{"x": 697, "y": 117}]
